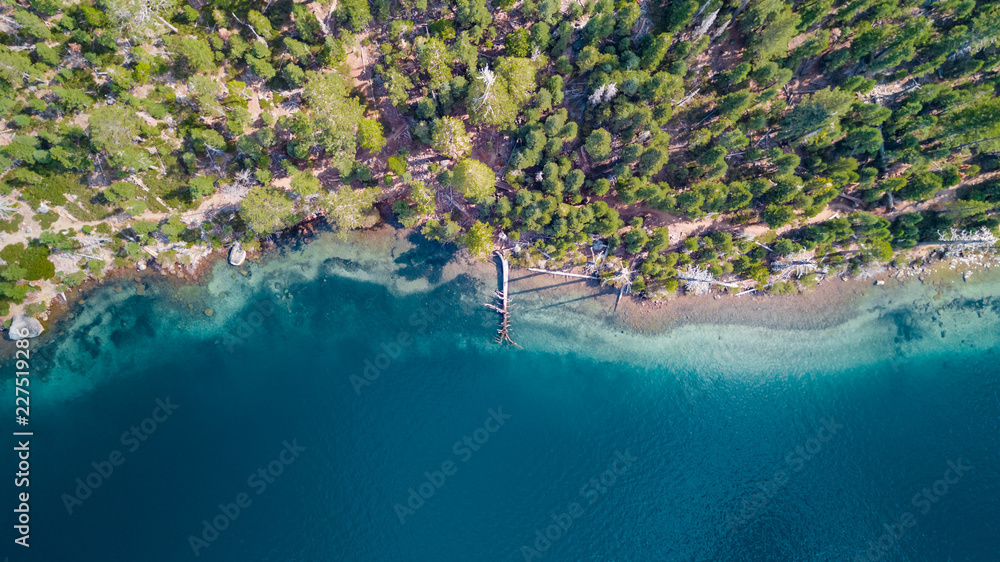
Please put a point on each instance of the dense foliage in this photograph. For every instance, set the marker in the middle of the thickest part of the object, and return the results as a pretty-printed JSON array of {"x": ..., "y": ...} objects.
[{"x": 838, "y": 133}]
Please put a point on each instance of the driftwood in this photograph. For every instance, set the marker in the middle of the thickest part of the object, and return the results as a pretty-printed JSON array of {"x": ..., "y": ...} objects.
[
  {"x": 719, "y": 283},
  {"x": 503, "y": 333}
]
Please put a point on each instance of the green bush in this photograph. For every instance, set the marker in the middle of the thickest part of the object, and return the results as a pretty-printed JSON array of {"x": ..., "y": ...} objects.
[
  {"x": 47, "y": 55},
  {"x": 444, "y": 29},
  {"x": 397, "y": 165}
]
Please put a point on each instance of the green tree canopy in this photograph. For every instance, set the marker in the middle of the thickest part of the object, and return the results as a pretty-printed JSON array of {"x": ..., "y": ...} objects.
[
  {"x": 518, "y": 43},
  {"x": 202, "y": 186},
  {"x": 305, "y": 183},
  {"x": 32, "y": 261},
  {"x": 350, "y": 209},
  {"x": 474, "y": 179},
  {"x": 266, "y": 209},
  {"x": 449, "y": 138},
  {"x": 779, "y": 28},
  {"x": 976, "y": 124},
  {"x": 435, "y": 59},
  {"x": 821, "y": 109},
  {"x": 776, "y": 216},
  {"x": 193, "y": 55},
  {"x": 337, "y": 117},
  {"x": 598, "y": 145},
  {"x": 112, "y": 130},
  {"x": 479, "y": 239},
  {"x": 370, "y": 135},
  {"x": 355, "y": 14},
  {"x": 497, "y": 97},
  {"x": 143, "y": 228},
  {"x": 119, "y": 191}
]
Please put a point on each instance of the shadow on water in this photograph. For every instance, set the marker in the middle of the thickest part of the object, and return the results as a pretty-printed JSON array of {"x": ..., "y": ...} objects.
[
  {"x": 142, "y": 329},
  {"x": 527, "y": 276},
  {"x": 907, "y": 329},
  {"x": 546, "y": 287},
  {"x": 496, "y": 262},
  {"x": 426, "y": 260},
  {"x": 84, "y": 338},
  {"x": 565, "y": 302}
]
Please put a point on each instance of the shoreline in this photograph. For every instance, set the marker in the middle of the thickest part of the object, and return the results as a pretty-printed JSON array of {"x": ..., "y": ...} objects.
[
  {"x": 196, "y": 273},
  {"x": 549, "y": 316},
  {"x": 833, "y": 301}
]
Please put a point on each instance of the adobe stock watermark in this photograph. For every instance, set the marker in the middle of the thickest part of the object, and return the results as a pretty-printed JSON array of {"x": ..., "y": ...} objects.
[
  {"x": 104, "y": 468},
  {"x": 230, "y": 512},
  {"x": 463, "y": 449},
  {"x": 923, "y": 500},
  {"x": 592, "y": 490},
  {"x": 419, "y": 322},
  {"x": 795, "y": 460}
]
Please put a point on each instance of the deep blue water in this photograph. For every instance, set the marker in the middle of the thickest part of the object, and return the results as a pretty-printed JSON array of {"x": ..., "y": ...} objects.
[{"x": 836, "y": 452}]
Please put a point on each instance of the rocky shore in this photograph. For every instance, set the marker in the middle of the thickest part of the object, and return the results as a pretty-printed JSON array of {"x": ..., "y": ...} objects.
[{"x": 827, "y": 303}]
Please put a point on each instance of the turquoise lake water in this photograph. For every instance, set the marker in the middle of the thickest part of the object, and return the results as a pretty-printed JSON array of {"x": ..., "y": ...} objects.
[{"x": 348, "y": 403}]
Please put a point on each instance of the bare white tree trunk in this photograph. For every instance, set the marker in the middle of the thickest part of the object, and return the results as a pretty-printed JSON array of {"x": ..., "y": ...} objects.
[{"x": 7, "y": 208}]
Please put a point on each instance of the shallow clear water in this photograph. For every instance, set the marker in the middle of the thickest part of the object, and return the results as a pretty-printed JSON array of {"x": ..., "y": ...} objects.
[{"x": 704, "y": 443}]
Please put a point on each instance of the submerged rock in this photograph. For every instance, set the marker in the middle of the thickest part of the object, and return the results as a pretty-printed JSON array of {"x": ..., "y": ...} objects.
[
  {"x": 237, "y": 254},
  {"x": 22, "y": 327}
]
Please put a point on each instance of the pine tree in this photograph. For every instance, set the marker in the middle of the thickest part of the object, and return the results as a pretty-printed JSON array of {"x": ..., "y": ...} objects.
[
  {"x": 370, "y": 135},
  {"x": 266, "y": 209},
  {"x": 355, "y": 14},
  {"x": 474, "y": 179},
  {"x": 598, "y": 145},
  {"x": 479, "y": 239},
  {"x": 337, "y": 117},
  {"x": 821, "y": 109},
  {"x": 449, "y": 138},
  {"x": 435, "y": 59},
  {"x": 498, "y": 97},
  {"x": 350, "y": 209}
]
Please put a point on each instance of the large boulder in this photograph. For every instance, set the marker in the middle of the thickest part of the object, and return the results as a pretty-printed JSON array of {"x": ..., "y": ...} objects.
[
  {"x": 237, "y": 254},
  {"x": 22, "y": 327}
]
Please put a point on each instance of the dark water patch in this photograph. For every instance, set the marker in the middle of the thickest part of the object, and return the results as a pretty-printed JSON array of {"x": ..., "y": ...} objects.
[
  {"x": 345, "y": 264},
  {"x": 136, "y": 329},
  {"x": 906, "y": 323},
  {"x": 426, "y": 260}
]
